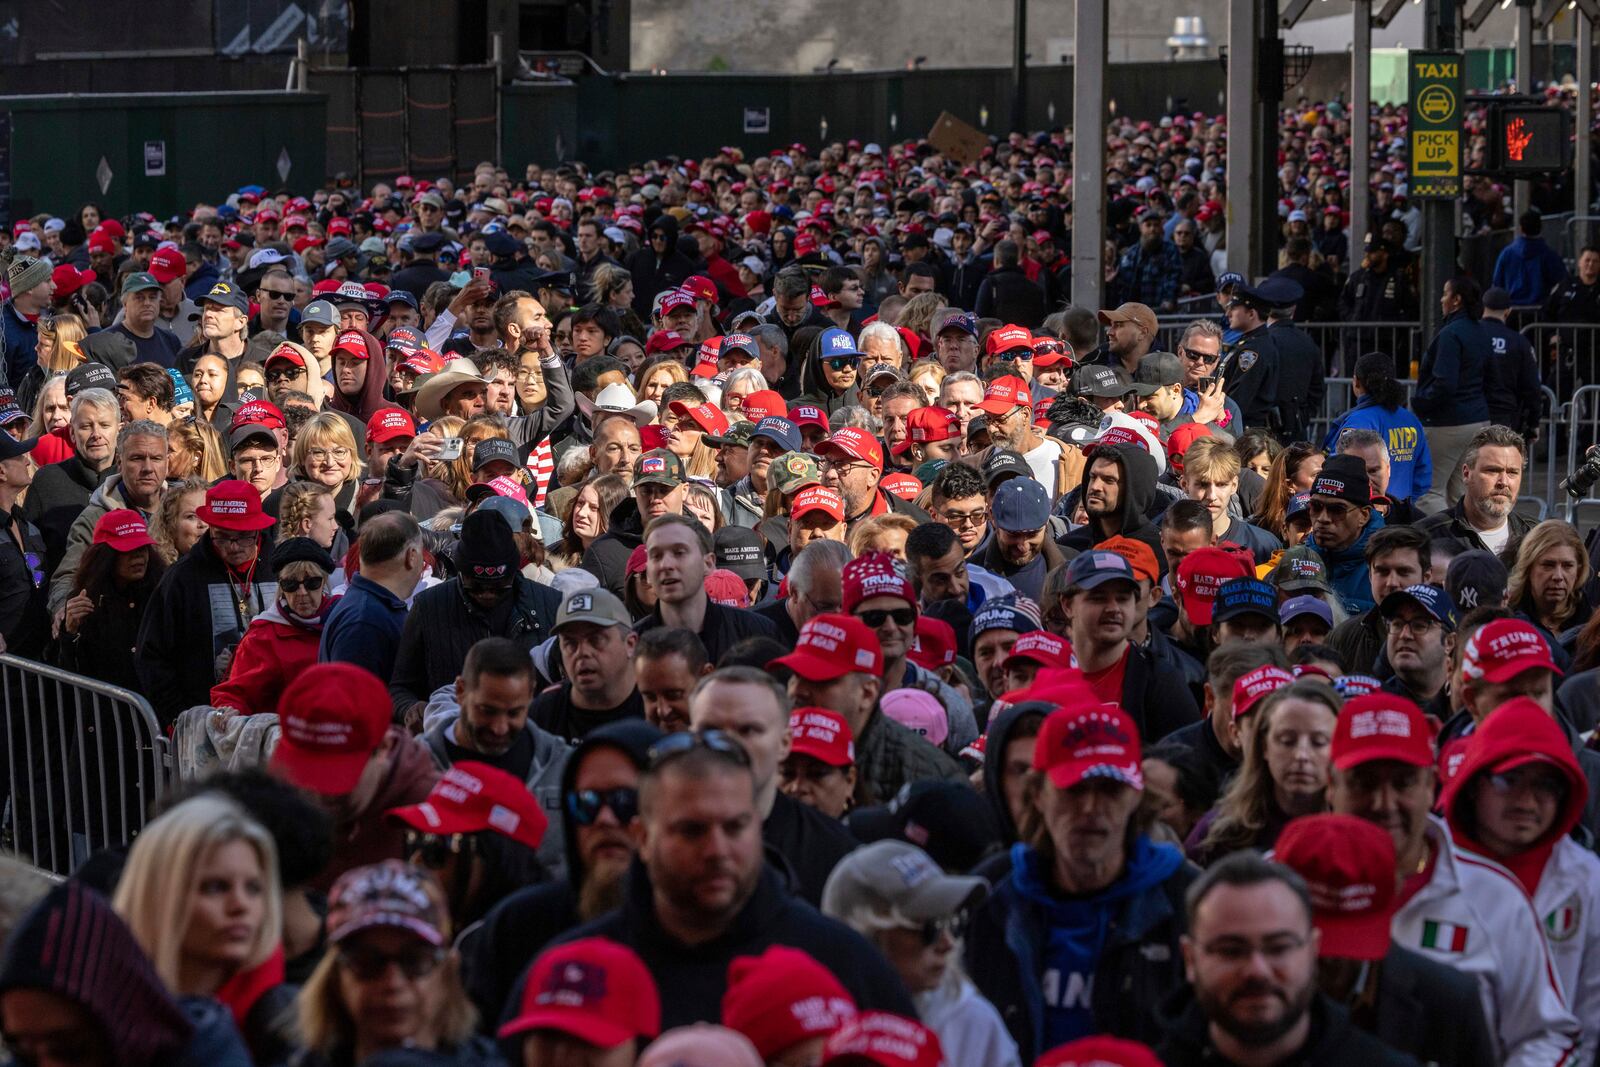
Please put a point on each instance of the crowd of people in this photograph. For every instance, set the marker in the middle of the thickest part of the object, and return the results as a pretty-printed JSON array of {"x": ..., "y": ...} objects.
[{"x": 737, "y": 612}]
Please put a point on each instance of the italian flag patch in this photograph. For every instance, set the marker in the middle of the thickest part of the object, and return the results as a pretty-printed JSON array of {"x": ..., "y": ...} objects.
[{"x": 1446, "y": 937}]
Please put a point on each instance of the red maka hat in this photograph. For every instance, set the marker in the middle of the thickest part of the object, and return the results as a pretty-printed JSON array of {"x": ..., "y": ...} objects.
[
  {"x": 387, "y": 424},
  {"x": 123, "y": 530},
  {"x": 884, "y": 1040},
  {"x": 832, "y": 646},
  {"x": 167, "y": 264},
  {"x": 235, "y": 506},
  {"x": 783, "y": 997},
  {"x": 353, "y": 343},
  {"x": 472, "y": 797},
  {"x": 818, "y": 498},
  {"x": 1251, "y": 687},
  {"x": 1007, "y": 338},
  {"x": 1348, "y": 865},
  {"x": 70, "y": 279},
  {"x": 764, "y": 402},
  {"x": 708, "y": 417},
  {"x": 823, "y": 735},
  {"x": 854, "y": 443},
  {"x": 666, "y": 341},
  {"x": 1381, "y": 726},
  {"x": 592, "y": 989},
  {"x": 1099, "y": 1051},
  {"x": 900, "y": 484},
  {"x": 933, "y": 643},
  {"x": 1095, "y": 742},
  {"x": 334, "y": 717},
  {"x": 1200, "y": 575},
  {"x": 929, "y": 424},
  {"x": 1041, "y": 647},
  {"x": 1005, "y": 394}
]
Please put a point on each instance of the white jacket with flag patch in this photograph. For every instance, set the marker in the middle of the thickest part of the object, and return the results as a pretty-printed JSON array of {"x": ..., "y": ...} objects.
[
  {"x": 1568, "y": 903},
  {"x": 1473, "y": 916}
]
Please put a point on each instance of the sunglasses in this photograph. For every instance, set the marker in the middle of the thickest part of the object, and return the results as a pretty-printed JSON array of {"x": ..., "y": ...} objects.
[
  {"x": 716, "y": 742},
  {"x": 840, "y": 363},
  {"x": 294, "y": 585},
  {"x": 368, "y": 964},
  {"x": 585, "y": 805},
  {"x": 1198, "y": 357},
  {"x": 1322, "y": 507},
  {"x": 276, "y": 376},
  {"x": 277, "y": 294},
  {"x": 1053, "y": 348},
  {"x": 933, "y": 929},
  {"x": 433, "y": 851},
  {"x": 876, "y": 617}
]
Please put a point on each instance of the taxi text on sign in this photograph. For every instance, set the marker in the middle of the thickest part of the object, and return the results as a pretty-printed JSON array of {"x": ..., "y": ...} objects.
[{"x": 1435, "y": 124}]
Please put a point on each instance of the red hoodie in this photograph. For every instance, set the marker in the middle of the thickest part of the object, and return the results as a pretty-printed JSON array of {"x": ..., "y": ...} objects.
[{"x": 1516, "y": 733}]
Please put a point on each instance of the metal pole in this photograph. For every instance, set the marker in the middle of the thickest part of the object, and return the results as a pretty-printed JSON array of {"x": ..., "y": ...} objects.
[
  {"x": 1441, "y": 29},
  {"x": 1089, "y": 152},
  {"x": 302, "y": 63},
  {"x": 1360, "y": 126},
  {"x": 1019, "y": 66},
  {"x": 1244, "y": 166},
  {"x": 1584, "y": 119},
  {"x": 1265, "y": 124},
  {"x": 1522, "y": 191}
]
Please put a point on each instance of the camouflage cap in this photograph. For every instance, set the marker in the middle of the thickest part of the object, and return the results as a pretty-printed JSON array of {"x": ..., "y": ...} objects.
[
  {"x": 738, "y": 434},
  {"x": 794, "y": 472}
]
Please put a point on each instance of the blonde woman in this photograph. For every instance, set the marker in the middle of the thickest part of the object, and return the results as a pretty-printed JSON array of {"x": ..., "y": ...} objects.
[
  {"x": 656, "y": 375},
  {"x": 389, "y": 944},
  {"x": 1548, "y": 577},
  {"x": 60, "y": 349},
  {"x": 175, "y": 526},
  {"x": 919, "y": 312},
  {"x": 195, "y": 449},
  {"x": 927, "y": 372},
  {"x": 201, "y": 895},
  {"x": 52, "y": 415},
  {"x": 308, "y": 509},
  {"x": 325, "y": 452},
  {"x": 882, "y": 533}
]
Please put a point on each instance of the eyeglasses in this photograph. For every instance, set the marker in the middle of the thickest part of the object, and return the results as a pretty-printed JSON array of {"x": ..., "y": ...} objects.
[
  {"x": 251, "y": 463},
  {"x": 585, "y": 805},
  {"x": 1205, "y": 358},
  {"x": 957, "y": 519},
  {"x": 840, "y": 363},
  {"x": 1418, "y": 626},
  {"x": 293, "y": 585},
  {"x": 322, "y": 455},
  {"x": 276, "y": 294},
  {"x": 842, "y": 468},
  {"x": 529, "y": 374},
  {"x": 717, "y": 742},
  {"x": 369, "y": 965},
  {"x": 276, "y": 376},
  {"x": 1331, "y": 508},
  {"x": 433, "y": 851},
  {"x": 878, "y": 616},
  {"x": 232, "y": 537}
]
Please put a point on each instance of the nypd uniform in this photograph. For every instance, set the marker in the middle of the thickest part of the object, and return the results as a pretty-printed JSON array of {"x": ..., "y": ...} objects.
[
  {"x": 1251, "y": 377},
  {"x": 1301, "y": 367},
  {"x": 1473, "y": 916}
]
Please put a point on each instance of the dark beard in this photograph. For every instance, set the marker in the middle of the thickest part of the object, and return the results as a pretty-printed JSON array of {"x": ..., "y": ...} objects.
[
  {"x": 1150, "y": 244},
  {"x": 1256, "y": 1036}
]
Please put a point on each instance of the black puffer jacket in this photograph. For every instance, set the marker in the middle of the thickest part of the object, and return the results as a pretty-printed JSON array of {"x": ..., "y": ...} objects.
[
  {"x": 443, "y": 624},
  {"x": 607, "y": 558}
]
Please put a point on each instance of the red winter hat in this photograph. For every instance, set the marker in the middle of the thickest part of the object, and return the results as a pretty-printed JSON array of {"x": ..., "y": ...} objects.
[
  {"x": 1348, "y": 865},
  {"x": 823, "y": 735},
  {"x": 1093, "y": 742},
  {"x": 334, "y": 717},
  {"x": 167, "y": 264},
  {"x": 1251, "y": 687},
  {"x": 874, "y": 574},
  {"x": 783, "y": 996},
  {"x": 1381, "y": 726},
  {"x": 123, "y": 530},
  {"x": 933, "y": 643},
  {"x": 1200, "y": 575},
  {"x": 883, "y": 1040},
  {"x": 592, "y": 989},
  {"x": 832, "y": 646},
  {"x": 853, "y": 443},
  {"x": 472, "y": 797}
]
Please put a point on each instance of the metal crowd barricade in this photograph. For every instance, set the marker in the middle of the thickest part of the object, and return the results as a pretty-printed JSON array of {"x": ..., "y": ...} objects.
[
  {"x": 84, "y": 762},
  {"x": 1548, "y": 434},
  {"x": 1342, "y": 343},
  {"x": 1583, "y": 426},
  {"x": 1568, "y": 353}
]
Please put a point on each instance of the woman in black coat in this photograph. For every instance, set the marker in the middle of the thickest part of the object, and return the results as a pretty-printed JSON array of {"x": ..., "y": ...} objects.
[
  {"x": 116, "y": 577},
  {"x": 24, "y": 622}
]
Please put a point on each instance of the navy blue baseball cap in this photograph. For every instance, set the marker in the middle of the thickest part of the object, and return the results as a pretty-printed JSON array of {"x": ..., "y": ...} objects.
[
  {"x": 1013, "y": 611},
  {"x": 1297, "y": 606},
  {"x": 781, "y": 431},
  {"x": 1020, "y": 505},
  {"x": 402, "y": 296},
  {"x": 1299, "y": 504},
  {"x": 1097, "y": 567},
  {"x": 836, "y": 343},
  {"x": 1229, "y": 279},
  {"x": 1245, "y": 596},
  {"x": 1430, "y": 598}
]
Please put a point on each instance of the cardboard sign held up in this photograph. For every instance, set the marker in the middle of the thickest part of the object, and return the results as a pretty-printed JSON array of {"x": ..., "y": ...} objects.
[{"x": 957, "y": 140}]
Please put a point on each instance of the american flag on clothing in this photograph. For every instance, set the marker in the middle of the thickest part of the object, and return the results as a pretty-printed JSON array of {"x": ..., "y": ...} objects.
[{"x": 541, "y": 463}]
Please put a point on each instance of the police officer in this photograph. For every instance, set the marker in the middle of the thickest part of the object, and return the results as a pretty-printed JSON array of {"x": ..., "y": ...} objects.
[
  {"x": 1301, "y": 367},
  {"x": 1250, "y": 375},
  {"x": 1377, "y": 291},
  {"x": 1576, "y": 300},
  {"x": 1511, "y": 375}
]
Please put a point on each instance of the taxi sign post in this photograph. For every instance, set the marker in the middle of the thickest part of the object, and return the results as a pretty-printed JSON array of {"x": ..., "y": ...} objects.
[{"x": 1435, "y": 124}]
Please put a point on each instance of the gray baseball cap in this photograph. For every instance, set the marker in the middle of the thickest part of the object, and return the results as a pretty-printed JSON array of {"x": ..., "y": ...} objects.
[
  {"x": 1158, "y": 369},
  {"x": 319, "y": 313},
  {"x": 595, "y": 606},
  {"x": 897, "y": 876},
  {"x": 1101, "y": 381}
]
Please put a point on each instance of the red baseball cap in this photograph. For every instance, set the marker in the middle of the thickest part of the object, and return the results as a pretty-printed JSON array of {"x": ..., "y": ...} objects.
[
  {"x": 70, "y": 279},
  {"x": 783, "y": 996},
  {"x": 708, "y": 417},
  {"x": 386, "y": 424},
  {"x": 1503, "y": 649},
  {"x": 823, "y": 735},
  {"x": 592, "y": 989},
  {"x": 1249, "y": 688},
  {"x": 818, "y": 498},
  {"x": 763, "y": 403},
  {"x": 258, "y": 413},
  {"x": 855, "y": 443},
  {"x": 1099, "y": 1051},
  {"x": 1098, "y": 741},
  {"x": 334, "y": 716},
  {"x": 1041, "y": 647},
  {"x": 1048, "y": 351},
  {"x": 900, "y": 484},
  {"x": 1009, "y": 337},
  {"x": 338, "y": 225},
  {"x": 885, "y": 1040},
  {"x": 1005, "y": 394},
  {"x": 832, "y": 646},
  {"x": 234, "y": 505},
  {"x": 472, "y": 797},
  {"x": 122, "y": 529},
  {"x": 1180, "y": 439},
  {"x": 933, "y": 643},
  {"x": 287, "y": 350},
  {"x": 167, "y": 264},
  {"x": 1348, "y": 864},
  {"x": 353, "y": 342},
  {"x": 1200, "y": 575},
  {"x": 727, "y": 588},
  {"x": 874, "y": 574},
  {"x": 709, "y": 350},
  {"x": 676, "y": 300},
  {"x": 698, "y": 285},
  {"x": 98, "y": 242},
  {"x": 805, "y": 415},
  {"x": 929, "y": 424},
  {"x": 666, "y": 341},
  {"x": 804, "y": 245},
  {"x": 1381, "y": 726}
]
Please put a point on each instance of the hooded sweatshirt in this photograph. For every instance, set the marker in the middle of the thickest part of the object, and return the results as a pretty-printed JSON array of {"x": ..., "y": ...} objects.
[
  {"x": 370, "y": 399},
  {"x": 994, "y": 761},
  {"x": 1560, "y": 876},
  {"x": 652, "y": 273},
  {"x": 1138, "y": 469}
]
